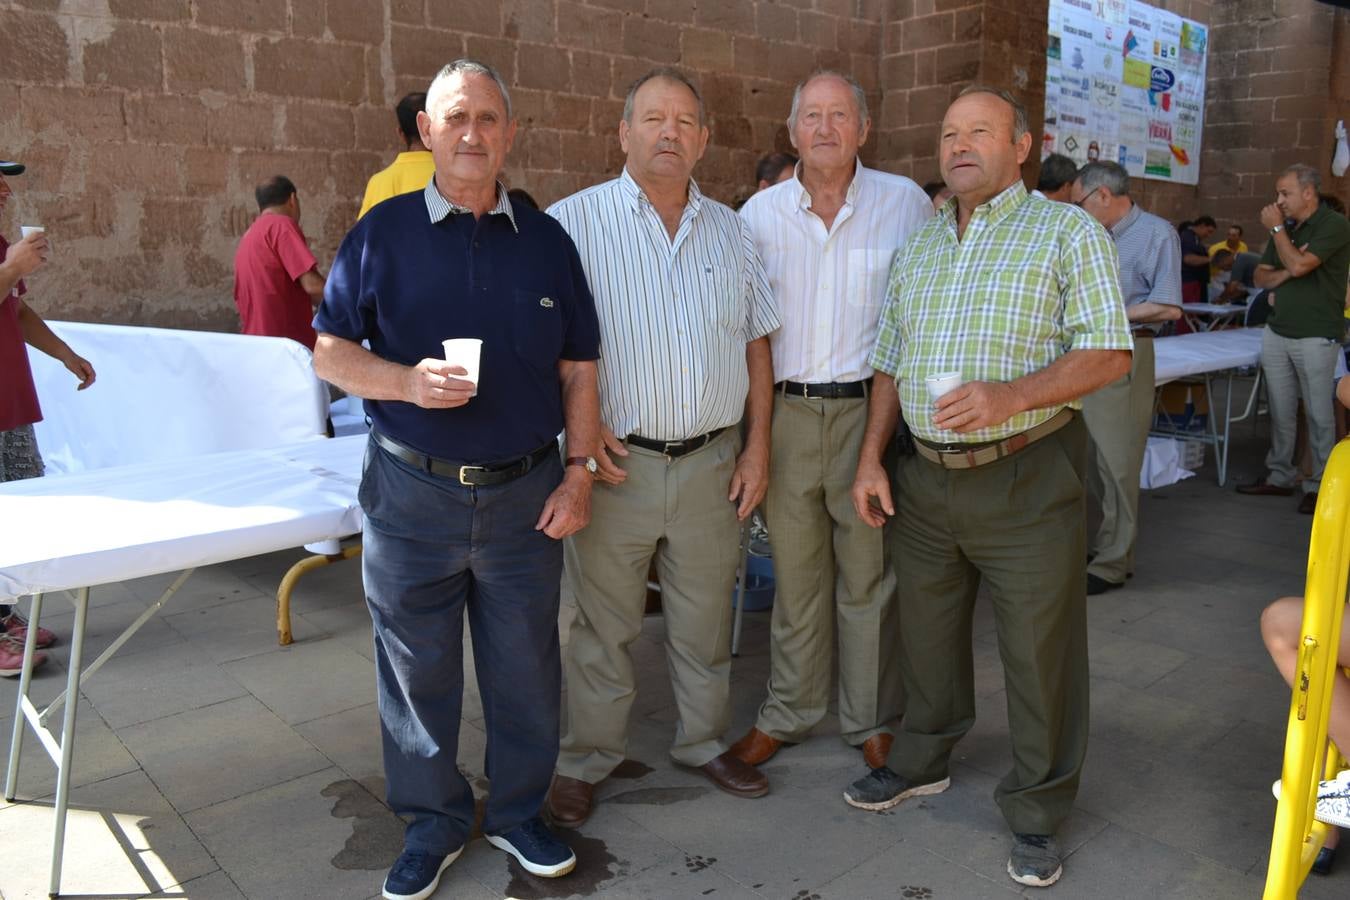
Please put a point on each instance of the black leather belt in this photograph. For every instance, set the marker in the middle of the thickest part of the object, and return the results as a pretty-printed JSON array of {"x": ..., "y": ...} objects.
[
  {"x": 833, "y": 390},
  {"x": 674, "y": 448},
  {"x": 478, "y": 476}
]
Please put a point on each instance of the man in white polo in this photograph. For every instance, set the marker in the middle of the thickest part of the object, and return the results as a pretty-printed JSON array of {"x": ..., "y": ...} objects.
[{"x": 827, "y": 237}]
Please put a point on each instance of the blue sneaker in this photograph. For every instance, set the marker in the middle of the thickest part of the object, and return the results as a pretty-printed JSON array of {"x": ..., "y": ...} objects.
[
  {"x": 536, "y": 849},
  {"x": 415, "y": 874}
]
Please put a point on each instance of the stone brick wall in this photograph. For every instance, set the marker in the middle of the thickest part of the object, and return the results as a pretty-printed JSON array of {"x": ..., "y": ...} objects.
[{"x": 146, "y": 123}]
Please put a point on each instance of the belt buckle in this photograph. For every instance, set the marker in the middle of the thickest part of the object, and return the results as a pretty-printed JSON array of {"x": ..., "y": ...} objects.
[
  {"x": 463, "y": 469},
  {"x": 806, "y": 392}
]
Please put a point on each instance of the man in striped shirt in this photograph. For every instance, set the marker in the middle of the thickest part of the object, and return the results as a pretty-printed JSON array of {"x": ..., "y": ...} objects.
[
  {"x": 1118, "y": 416},
  {"x": 1015, "y": 299},
  {"x": 684, "y": 307},
  {"x": 827, "y": 237}
]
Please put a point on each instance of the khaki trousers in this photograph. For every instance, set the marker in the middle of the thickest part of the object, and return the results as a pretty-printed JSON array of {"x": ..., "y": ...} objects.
[
  {"x": 831, "y": 573},
  {"x": 1017, "y": 524},
  {"x": 1118, "y": 418},
  {"x": 676, "y": 510}
]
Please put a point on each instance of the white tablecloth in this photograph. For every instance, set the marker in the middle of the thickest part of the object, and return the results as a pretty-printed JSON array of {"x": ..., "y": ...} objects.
[
  {"x": 1212, "y": 351},
  {"x": 106, "y": 525}
]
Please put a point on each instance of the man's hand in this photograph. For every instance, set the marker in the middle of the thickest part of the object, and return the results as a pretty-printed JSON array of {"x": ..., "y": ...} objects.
[
  {"x": 28, "y": 255},
  {"x": 871, "y": 482},
  {"x": 975, "y": 405},
  {"x": 750, "y": 480},
  {"x": 80, "y": 368},
  {"x": 606, "y": 470},
  {"x": 1271, "y": 216},
  {"x": 568, "y": 508},
  {"x": 429, "y": 385}
]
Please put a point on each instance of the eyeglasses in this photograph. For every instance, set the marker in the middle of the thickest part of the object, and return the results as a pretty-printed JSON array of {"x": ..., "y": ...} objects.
[{"x": 1084, "y": 199}]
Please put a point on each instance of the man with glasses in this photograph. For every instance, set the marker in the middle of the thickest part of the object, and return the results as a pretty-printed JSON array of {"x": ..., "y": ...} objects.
[{"x": 1118, "y": 416}]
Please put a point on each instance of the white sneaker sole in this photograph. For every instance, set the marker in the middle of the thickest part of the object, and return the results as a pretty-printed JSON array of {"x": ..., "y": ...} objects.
[
  {"x": 1032, "y": 880},
  {"x": 554, "y": 871},
  {"x": 430, "y": 888},
  {"x": 919, "y": 790}
]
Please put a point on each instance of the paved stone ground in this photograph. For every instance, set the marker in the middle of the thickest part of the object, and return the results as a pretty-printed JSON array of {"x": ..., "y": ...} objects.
[{"x": 214, "y": 764}]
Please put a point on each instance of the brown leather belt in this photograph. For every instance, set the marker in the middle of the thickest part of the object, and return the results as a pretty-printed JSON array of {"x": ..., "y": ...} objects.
[
  {"x": 833, "y": 390},
  {"x": 674, "y": 448},
  {"x": 970, "y": 456}
]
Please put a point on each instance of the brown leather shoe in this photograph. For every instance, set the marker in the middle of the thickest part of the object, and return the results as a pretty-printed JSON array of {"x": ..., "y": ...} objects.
[
  {"x": 877, "y": 749},
  {"x": 1263, "y": 488},
  {"x": 570, "y": 801},
  {"x": 1307, "y": 504},
  {"x": 735, "y": 777},
  {"x": 755, "y": 748}
]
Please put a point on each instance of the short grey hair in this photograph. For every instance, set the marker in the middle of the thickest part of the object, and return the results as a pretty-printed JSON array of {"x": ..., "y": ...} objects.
[
  {"x": 1307, "y": 176},
  {"x": 667, "y": 73},
  {"x": 469, "y": 67},
  {"x": 1020, "y": 126},
  {"x": 859, "y": 95},
  {"x": 1105, "y": 174}
]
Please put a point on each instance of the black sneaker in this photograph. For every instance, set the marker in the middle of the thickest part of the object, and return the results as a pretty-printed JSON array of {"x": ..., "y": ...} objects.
[
  {"x": 881, "y": 789},
  {"x": 415, "y": 874},
  {"x": 536, "y": 849},
  {"x": 1035, "y": 860}
]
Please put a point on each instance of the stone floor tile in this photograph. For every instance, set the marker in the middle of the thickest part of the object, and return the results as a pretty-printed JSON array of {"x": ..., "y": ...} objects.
[
  {"x": 133, "y": 689},
  {"x": 205, "y": 756},
  {"x": 307, "y": 680}
]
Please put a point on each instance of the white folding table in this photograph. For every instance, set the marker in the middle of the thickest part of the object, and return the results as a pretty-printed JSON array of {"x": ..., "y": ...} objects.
[
  {"x": 71, "y": 532},
  {"x": 1204, "y": 317},
  {"x": 1214, "y": 356}
]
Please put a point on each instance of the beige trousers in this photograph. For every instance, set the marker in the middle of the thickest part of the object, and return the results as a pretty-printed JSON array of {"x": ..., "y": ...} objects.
[
  {"x": 1117, "y": 419},
  {"x": 831, "y": 574},
  {"x": 676, "y": 510}
]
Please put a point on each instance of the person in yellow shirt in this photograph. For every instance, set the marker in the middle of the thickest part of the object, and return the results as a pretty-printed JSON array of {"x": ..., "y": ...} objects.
[
  {"x": 1233, "y": 245},
  {"x": 412, "y": 169}
]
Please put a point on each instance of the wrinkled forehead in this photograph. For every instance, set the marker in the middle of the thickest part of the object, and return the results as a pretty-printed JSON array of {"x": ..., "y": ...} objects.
[
  {"x": 464, "y": 89},
  {"x": 979, "y": 109}
]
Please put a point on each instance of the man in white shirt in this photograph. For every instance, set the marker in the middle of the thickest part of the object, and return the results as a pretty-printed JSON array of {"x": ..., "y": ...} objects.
[
  {"x": 827, "y": 237},
  {"x": 684, "y": 308}
]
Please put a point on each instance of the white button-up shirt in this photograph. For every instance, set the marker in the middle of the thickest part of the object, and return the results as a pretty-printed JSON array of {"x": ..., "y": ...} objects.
[
  {"x": 830, "y": 283},
  {"x": 675, "y": 315}
]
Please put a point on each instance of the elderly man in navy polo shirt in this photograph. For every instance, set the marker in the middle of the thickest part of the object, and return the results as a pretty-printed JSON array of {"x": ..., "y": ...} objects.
[{"x": 464, "y": 492}]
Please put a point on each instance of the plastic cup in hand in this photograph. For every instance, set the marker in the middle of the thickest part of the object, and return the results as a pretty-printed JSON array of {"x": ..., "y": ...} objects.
[
  {"x": 943, "y": 383},
  {"x": 465, "y": 353},
  {"x": 27, "y": 230}
]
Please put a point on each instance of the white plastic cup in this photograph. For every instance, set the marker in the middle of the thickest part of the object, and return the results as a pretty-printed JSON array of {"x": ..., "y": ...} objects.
[
  {"x": 27, "y": 230},
  {"x": 465, "y": 353},
  {"x": 943, "y": 383}
]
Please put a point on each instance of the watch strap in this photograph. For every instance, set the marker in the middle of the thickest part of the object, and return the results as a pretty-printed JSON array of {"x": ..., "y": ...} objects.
[{"x": 578, "y": 460}]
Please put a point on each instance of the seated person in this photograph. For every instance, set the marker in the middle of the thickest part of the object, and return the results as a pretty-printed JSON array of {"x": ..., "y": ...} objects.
[{"x": 1223, "y": 288}]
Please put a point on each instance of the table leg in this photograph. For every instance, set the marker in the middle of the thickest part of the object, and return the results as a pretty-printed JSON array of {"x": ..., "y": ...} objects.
[
  {"x": 68, "y": 738},
  {"x": 25, "y": 679}
]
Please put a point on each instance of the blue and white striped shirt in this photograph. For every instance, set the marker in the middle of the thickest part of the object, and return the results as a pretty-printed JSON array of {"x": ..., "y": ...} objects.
[
  {"x": 675, "y": 316},
  {"x": 1150, "y": 259}
]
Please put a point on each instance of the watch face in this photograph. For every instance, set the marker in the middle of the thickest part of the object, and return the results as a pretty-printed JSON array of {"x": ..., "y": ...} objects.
[{"x": 591, "y": 465}]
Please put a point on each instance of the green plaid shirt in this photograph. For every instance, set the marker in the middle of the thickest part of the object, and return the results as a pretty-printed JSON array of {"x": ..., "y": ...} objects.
[{"x": 1030, "y": 280}]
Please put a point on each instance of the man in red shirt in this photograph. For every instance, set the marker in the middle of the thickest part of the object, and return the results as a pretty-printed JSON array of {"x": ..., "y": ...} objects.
[
  {"x": 19, "y": 408},
  {"x": 277, "y": 283}
]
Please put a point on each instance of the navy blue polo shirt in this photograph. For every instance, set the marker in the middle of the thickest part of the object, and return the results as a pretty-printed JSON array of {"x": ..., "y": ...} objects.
[{"x": 416, "y": 271}]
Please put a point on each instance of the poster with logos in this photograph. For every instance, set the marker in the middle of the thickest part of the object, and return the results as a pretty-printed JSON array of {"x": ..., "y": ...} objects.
[{"x": 1125, "y": 81}]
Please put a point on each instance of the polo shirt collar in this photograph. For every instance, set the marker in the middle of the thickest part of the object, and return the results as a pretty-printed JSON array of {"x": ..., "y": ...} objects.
[
  {"x": 635, "y": 196},
  {"x": 438, "y": 207},
  {"x": 1118, "y": 230},
  {"x": 1317, "y": 215},
  {"x": 804, "y": 196}
]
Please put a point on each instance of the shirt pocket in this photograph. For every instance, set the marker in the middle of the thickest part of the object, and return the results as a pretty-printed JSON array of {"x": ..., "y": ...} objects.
[
  {"x": 724, "y": 292},
  {"x": 536, "y": 327},
  {"x": 868, "y": 272}
]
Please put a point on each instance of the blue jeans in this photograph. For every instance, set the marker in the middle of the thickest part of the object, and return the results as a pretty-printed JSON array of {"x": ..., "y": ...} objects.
[{"x": 434, "y": 549}]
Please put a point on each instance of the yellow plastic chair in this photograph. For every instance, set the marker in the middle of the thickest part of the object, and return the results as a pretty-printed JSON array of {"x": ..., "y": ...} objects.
[{"x": 1308, "y": 756}]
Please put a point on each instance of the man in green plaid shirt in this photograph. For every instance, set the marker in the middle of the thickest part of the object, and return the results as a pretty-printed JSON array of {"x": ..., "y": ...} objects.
[{"x": 1020, "y": 298}]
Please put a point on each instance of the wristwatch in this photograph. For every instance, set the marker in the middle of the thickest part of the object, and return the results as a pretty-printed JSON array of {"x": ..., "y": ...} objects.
[
  {"x": 587, "y": 461},
  {"x": 1276, "y": 230}
]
